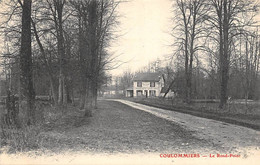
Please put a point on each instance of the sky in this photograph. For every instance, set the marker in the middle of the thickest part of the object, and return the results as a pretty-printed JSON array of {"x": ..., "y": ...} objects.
[
  {"x": 145, "y": 27},
  {"x": 145, "y": 34}
]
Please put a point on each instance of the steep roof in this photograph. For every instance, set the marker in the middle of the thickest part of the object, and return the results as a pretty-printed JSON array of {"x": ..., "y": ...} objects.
[{"x": 147, "y": 77}]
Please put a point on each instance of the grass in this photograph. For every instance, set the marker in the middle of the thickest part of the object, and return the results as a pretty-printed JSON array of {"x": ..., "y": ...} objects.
[
  {"x": 235, "y": 113},
  {"x": 22, "y": 139},
  {"x": 26, "y": 138},
  {"x": 114, "y": 128}
]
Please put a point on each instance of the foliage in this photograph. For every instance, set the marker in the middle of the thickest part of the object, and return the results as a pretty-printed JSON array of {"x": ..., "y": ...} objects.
[{"x": 226, "y": 56}]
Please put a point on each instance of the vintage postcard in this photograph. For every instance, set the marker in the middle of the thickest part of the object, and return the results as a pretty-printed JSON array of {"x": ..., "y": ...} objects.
[{"x": 129, "y": 82}]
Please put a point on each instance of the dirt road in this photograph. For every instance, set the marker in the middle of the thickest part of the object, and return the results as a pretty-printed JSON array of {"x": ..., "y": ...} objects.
[
  {"x": 227, "y": 136},
  {"x": 122, "y": 132},
  {"x": 119, "y": 128}
]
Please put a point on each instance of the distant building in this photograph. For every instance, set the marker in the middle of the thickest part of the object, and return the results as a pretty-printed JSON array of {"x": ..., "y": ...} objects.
[
  {"x": 111, "y": 91},
  {"x": 146, "y": 85}
]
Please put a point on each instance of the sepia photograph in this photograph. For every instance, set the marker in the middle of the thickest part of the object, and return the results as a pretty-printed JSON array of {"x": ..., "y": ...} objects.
[{"x": 129, "y": 82}]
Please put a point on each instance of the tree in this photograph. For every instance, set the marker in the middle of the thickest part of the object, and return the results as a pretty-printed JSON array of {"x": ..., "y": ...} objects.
[
  {"x": 126, "y": 80},
  {"x": 227, "y": 19},
  {"x": 96, "y": 20},
  {"x": 190, "y": 17},
  {"x": 27, "y": 93},
  {"x": 56, "y": 7},
  {"x": 46, "y": 64},
  {"x": 69, "y": 63}
]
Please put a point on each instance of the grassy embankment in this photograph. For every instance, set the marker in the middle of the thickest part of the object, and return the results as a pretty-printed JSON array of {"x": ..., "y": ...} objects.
[{"x": 236, "y": 112}]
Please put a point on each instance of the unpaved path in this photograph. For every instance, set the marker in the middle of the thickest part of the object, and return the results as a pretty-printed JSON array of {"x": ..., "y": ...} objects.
[
  {"x": 119, "y": 133},
  {"x": 119, "y": 128},
  {"x": 219, "y": 133}
]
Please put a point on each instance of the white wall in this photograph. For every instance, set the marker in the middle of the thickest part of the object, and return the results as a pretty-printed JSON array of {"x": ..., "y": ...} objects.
[{"x": 146, "y": 86}]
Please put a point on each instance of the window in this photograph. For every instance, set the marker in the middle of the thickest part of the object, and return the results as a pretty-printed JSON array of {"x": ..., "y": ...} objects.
[
  {"x": 139, "y": 84},
  {"x": 152, "y": 84}
]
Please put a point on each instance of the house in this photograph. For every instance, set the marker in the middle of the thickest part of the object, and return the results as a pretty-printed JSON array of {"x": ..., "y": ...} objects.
[{"x": 146, "y": 85}]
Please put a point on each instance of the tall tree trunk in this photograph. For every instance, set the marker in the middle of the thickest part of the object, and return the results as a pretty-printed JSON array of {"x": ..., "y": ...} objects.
[
  {"x": 195, "y": 11},
  {"x": 53, "y": 91},
  {"x": 187, "y": 89},
  {"x": 27, "y": 93},
  {"x": 88, "y": 101},
  {"x": 62, "y": 98},
  {"x": 224, "y": 59},
  {"x": 93, "y": 18},
  {"x": 83, "y": 64},
  {"x": 247, "y": 74},
  {"x": 60, "y": 93}
]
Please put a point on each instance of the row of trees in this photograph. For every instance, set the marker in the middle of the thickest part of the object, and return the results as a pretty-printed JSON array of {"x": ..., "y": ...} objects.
[
  {"x": 221, "y": 37},
  {"x": 63, "y": 50}
]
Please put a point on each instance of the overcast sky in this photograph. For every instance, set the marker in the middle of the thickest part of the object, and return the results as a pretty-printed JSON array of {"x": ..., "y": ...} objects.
[
  {"x": 145, "y": 30},
  {"x": 145, "y": 27}
]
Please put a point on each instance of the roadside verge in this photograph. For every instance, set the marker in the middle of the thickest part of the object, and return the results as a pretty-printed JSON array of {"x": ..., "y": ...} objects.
[{"x": 250, "y": 120}]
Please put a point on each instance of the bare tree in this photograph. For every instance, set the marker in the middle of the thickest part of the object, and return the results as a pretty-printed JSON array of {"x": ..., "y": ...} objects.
[
  {"x": 95, "y": 21},
  {"x": 26, "y": 72},
  {"x": 126, "y": 80},
  {"x": 46, "y": 63},
  {"x": 56, "y": 8},
  {"x": 190, "y": 16},
  {"x": 227, "y": 18}
]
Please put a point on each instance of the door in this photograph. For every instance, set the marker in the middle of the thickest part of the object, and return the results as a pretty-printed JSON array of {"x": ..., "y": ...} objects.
[{"x": 146, "y": 93}]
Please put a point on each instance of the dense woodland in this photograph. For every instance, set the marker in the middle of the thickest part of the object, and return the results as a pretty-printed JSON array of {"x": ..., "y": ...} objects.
[
  {"x": 224, "y": 34},
  {"x": 60, "y": 49},
  {"x": 217, "y": 51},
  {"x": 56, "y": 48}
]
